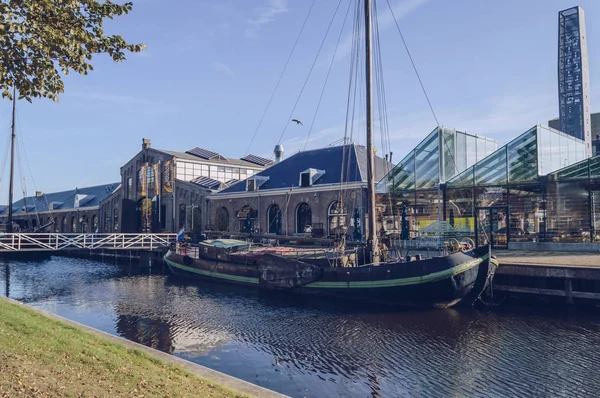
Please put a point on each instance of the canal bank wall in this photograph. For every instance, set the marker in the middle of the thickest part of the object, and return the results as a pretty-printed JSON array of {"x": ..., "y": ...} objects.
[
  {"x": 201, "y": 371},
  {"x": 565, "y": 277},
  {"x": 145, "y": 258}
]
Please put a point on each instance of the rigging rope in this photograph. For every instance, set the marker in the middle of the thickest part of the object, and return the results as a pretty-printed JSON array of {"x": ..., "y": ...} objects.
[
  {"x": 352, "y": 88},
  {"x": 5, "y": 160},
  {"x": 382, "y": 106},
  {"x": 327, "y": 77},
  {"x": 22, "y": 136},
  {"x": 287, "y": 122},
  {"x": 280, "y": 76},
  {"x": 449, "y": 152},
  {"x": 412, "y": 62}
]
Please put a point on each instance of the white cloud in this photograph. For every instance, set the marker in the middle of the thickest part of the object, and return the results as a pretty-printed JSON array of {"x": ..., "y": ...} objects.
[
  {"x": 264, "y": 15},
  {"x": 222, "y": 68}
]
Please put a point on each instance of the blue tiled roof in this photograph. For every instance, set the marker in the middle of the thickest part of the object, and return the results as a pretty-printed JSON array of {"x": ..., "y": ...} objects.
[
  {"x": 351, "y": 158},
  {"x": 93, "y": 196}
]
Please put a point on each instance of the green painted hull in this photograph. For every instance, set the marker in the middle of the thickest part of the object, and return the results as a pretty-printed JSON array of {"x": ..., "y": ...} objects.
[{"x": 439, "y": 281}]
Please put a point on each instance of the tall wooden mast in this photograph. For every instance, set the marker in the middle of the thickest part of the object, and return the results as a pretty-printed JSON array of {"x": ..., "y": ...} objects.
[
  {"x": 9, "y": 220},
  {"x": 372, "y": 222}
]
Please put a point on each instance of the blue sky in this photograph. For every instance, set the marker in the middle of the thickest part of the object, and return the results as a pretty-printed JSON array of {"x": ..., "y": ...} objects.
[{"x": 211, "y": 66}]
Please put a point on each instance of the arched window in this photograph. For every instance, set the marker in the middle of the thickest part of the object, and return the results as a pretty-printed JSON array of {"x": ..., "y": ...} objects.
[
  {"x": 195, "y": 221},
  {"x": 73, "y": 224},
  {"x": 84, "y": 224},
  {"x": 106, "y": 220},
  {"x": 55, "y": 226},
  {"x": 94, "y": 223},
  {"x": 303, "y": 218},
  {"x": 150, "y": 180},
  {"x": 336, "y": 219},
  {"x": 182, "y": 208},
  {"x": 222, "y": 219},
  {"x": 64, "y": 227},
  {"x": 274, "y": 220}
]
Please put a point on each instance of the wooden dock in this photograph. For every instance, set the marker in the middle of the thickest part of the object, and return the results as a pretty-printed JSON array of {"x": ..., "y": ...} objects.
[{"x": 572, "y": 278}]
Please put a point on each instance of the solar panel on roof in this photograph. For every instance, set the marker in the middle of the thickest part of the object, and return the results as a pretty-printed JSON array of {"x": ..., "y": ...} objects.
[
  {"x": 203, "y": 153},
  {"x": 207, "y": 182},
  {"x": 257, "y": 160}
]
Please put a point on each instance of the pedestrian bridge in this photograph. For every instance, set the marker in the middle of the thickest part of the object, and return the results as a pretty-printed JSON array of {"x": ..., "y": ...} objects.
[{"x": 24, "y": 242}]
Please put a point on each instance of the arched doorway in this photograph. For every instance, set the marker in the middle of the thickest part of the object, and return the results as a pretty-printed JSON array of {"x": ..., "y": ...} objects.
[
  {"x": 65, "y": 223},
  {"x": 84, "y": 224},
  {"x": 74, "y": 224},
  {"x": 95, "y": 224},
  {"x": 222, "y": 219},
  {"x": 336, "y": 219},
  {"x": 303, "y": 218},
  {"x": 274, "y": 220},
  {"x": 246, "y": 218}
]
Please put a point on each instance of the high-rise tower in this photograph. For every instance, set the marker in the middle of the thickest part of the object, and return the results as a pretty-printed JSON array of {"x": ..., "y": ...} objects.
[{"x": 573, "y": 76}]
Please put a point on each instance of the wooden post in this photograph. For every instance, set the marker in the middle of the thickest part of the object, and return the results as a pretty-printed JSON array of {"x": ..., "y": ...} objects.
[{"x": 569, "y": 290}]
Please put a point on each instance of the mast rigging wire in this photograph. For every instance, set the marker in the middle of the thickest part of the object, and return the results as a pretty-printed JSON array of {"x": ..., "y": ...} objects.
[
  {"x": 29, "y": 165},
  {"x": 280, "y": 77},
  {"x": 412, "y": 62},
  {"x": 327, "y": 76},
  {"x": 287, "y": 122},
  {"x": 428, "y": 101}
]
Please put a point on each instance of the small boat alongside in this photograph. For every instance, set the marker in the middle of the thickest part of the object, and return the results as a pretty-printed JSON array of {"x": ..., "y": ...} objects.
[{"x": 445, "y": 281}]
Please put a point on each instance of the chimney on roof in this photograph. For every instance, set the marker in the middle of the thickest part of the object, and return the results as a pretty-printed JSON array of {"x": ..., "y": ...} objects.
[
  {"x": 278, "y": 152},
  {"x": 145, "y": 143},
  {"x": 38, "y": 194}
]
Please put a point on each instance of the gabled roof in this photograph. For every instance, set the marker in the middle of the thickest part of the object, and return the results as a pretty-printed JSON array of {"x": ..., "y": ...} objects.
[
  {"x": 88, "y": 197},
  {"x": 346, "y": 163}
]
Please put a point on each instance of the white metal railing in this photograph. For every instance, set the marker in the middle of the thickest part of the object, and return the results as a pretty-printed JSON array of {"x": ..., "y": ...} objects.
[{"x": 68, "y": 241}]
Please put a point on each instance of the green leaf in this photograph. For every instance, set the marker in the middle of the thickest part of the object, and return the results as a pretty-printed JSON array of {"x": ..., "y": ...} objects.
[{"x": 39, "y": 38}]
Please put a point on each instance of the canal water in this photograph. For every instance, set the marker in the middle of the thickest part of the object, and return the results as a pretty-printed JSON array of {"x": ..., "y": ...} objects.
[{"x": 316, "y": 348}]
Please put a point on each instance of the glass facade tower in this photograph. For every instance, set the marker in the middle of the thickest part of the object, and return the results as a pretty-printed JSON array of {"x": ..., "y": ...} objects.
[{"x": 573, "y": 76}]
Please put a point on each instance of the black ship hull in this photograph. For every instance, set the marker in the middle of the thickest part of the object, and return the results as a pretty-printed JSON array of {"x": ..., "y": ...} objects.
[{"x": 458, "y": 278}]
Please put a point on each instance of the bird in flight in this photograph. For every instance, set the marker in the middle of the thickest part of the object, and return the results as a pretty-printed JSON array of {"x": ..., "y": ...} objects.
[{"x": 297, "y": 122}]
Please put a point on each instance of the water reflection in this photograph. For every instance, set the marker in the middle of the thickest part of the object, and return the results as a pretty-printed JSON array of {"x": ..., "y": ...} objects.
[{"x": 314, "y": 347}]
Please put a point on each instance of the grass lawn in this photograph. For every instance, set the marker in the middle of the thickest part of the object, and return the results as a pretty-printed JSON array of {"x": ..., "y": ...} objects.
[{"x": 41, "y": 357}]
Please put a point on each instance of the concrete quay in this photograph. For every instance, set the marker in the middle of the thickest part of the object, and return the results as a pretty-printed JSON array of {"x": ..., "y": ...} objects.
[{"x": 567, "y": 277}]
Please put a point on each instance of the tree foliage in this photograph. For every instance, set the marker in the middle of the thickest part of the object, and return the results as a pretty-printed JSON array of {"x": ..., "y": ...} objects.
[{"x": 39, "y": 39}]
